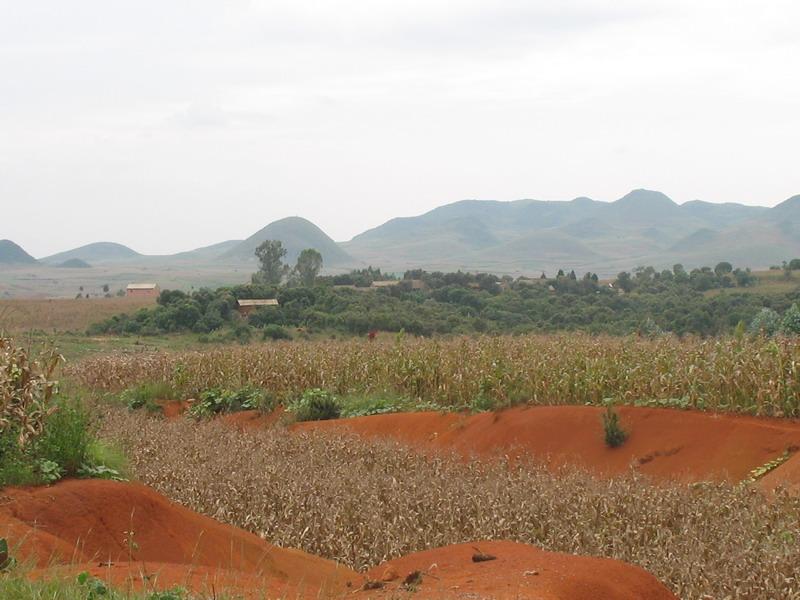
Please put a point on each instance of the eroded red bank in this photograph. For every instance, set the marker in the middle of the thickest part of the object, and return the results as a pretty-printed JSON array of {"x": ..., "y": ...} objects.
[
  {"x": 135, "y": 538},
  {"x": 662, "y": 443}
]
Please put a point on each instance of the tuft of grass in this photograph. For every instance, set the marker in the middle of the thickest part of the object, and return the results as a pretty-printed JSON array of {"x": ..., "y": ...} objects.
[{"x": 615, "y": 435}]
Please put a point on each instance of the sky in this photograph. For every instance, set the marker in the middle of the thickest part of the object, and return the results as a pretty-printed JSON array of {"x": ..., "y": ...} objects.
[{"x": 168, "y": 125}]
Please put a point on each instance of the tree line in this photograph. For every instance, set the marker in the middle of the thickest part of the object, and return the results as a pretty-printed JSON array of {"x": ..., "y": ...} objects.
[{"x": 646, "y": 301}]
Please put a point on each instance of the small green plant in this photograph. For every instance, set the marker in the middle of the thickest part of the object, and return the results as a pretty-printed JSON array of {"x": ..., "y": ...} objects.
[
  {"x": 482, "y": 403},
  {"x": 315, "y": 405},
  {"x": 615, "y": 435},
  {"x": 95, "y": 588},
  {"x": 49, "y": 471},
  {"x": 6, "y": 560}
]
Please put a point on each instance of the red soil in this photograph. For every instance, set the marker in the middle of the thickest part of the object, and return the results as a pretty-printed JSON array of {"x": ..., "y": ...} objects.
[
  {"x": 786, "y": 476},
  {"x": 173, "y": 409},
  {"x": 518, "y": 572},
  {"x": 663, "y": 443},
  {"x": 85, "y": 523}
]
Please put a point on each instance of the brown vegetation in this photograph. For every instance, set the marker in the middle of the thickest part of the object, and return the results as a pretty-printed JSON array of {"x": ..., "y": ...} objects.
[{"x": 361, "y": 503}]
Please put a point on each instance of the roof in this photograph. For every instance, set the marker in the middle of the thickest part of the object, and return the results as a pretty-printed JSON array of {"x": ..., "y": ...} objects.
[
  {"x": 257, "y": 302},
  {"x": 142, "y": 286},
  {"x": 387, "y": 283}
]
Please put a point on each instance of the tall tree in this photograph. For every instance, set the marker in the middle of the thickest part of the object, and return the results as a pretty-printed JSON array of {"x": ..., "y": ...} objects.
[
  {"x": 308, "y": 266},
  {"x": 271, "y": 253}
]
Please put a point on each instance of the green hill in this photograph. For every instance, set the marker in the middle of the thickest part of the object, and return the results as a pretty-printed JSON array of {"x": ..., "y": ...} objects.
[
  {"x": 13, "y": 254},
  {"x": 74, "y": 263},
  {"x": 297, "y": 234},
  {"x": 98, "y": 252},
  {"x": 642, "y": 227}
]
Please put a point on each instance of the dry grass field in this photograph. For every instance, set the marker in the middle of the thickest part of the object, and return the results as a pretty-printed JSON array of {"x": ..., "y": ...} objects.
[
  {"x": 61, "y": 315},
  {"x": 361, "y": 502}
]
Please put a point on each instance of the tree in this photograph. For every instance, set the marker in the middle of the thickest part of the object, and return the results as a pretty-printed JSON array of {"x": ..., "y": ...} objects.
[
  {"x": 624, "y": 281},
  {"x": 270, "y": 253},
  {"x": 723, "y": 268},
  {"x": 105, "y": 288},
  {"x": 308, "y": 266}
]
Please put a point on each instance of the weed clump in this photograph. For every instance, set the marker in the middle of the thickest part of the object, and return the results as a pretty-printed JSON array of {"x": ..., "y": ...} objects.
[
  {"x": 615, "y": 435},
  {"x": 218, "y": 400}
]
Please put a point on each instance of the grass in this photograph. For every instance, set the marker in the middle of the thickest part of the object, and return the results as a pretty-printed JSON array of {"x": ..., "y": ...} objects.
[
  {"x": 17, "y": 586},
  {"x": 359, "y": 503},
  {"x": 750, "y": 375},
  {"x": 769, "y": 283}
]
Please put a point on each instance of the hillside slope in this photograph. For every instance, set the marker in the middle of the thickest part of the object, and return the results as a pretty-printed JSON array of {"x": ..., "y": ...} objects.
[{"x": 13, "y": 254}]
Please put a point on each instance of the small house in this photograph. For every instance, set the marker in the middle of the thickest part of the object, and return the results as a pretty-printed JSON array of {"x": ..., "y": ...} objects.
[
  {"x": 248, "y": 306},
  {"x": 142, "y": 290}
]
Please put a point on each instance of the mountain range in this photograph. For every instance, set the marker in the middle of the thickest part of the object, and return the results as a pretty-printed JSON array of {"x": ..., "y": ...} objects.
[{"x": 524, "y": 236}]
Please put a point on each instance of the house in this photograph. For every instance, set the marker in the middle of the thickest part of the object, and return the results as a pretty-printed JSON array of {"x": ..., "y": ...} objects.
[
  {"x": 414, "y": 284},
  {"x": 248, "y": 306},
  {"x": 385, "y": 284},
  {"x": 142, "y": 290}
]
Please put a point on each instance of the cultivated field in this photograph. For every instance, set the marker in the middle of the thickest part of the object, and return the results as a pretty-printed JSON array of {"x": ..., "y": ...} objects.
[
  {"x": 361, "y": 502},
  {"x": 752, "y": 375}
]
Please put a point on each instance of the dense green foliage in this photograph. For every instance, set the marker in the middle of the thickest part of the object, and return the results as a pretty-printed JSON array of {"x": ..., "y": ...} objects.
[
  {"x": 219, "y": 400},
  {"x": 315, "y": 405},
  {"x": 647, "y": 302}
]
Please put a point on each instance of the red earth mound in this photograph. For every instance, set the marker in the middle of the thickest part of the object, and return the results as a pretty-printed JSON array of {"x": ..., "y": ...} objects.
[
  {"x": 88, "y": 523},
  {"x": 517, "y": 571},
  {"x": 663, "y": 443}
]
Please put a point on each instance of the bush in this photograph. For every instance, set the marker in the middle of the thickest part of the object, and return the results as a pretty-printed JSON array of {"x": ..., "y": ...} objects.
[
  {"x": 766, "y": 322},
  {"x": 790, "y": 325},
  {"x": 275, "y": 332},
  {"x": 614, "y": 433},
  {"x": 218, "y": 400},
  {"x": 315, "y": 405}
]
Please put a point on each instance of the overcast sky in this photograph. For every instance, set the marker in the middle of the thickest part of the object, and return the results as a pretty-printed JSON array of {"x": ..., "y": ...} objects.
[{"x": 167, "y": 125}]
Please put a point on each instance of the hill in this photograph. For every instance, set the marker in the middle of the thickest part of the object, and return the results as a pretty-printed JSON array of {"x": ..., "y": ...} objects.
[
  {"x": 13, "y": 254},
  {"x": 74, "y": 263},
  {"x": 525, "y": 236},
  {"x": 297, "y": 234},
  {"x": 211, "y": 252},
  {"x": 98, "y": 252}
]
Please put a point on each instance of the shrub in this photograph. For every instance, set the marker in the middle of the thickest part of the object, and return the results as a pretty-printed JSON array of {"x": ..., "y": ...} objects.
[
  {"x": 766, "y": 322},
  {"x": 790, "y": 324},
  {"x": 218, "y": 400},
  {"x": 275, "y": 332},
  {"x": 315, "y": 405},
  {"x": 614, "y": 433}
]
